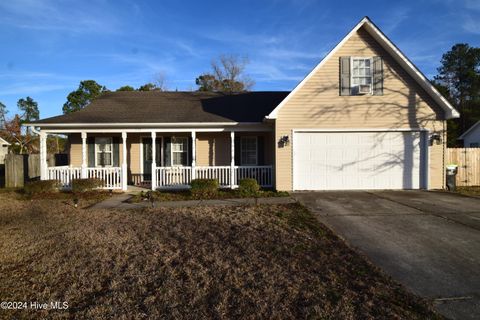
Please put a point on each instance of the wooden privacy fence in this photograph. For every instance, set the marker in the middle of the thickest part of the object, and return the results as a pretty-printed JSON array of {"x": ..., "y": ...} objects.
[
  {"x": 20, "y": 168},
  {"x": 468, "y": 161}
]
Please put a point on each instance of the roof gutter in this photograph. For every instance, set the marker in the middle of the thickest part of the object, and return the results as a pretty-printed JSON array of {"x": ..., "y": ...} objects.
[{"x": 143, "y": 125}]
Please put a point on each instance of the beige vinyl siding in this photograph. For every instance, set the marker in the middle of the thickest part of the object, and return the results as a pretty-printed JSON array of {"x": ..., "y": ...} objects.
[
  {"x": 75, "y": 151},
  {"x": 133, "y": 157},
  {"x": 404, "y": 104},
  {"x": 213, "y": 149}
]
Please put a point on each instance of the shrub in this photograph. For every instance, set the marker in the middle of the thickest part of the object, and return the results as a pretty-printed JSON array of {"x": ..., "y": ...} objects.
[
  {"x": 40, "y": 186},
  {"x": 248, "y": 187},
  {"x": 204, "y": 188},
  {"x": 84, "y": 185}
]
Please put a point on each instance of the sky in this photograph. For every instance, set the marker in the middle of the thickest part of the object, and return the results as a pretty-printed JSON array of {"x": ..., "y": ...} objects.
[{"x": 48, "y": 47}]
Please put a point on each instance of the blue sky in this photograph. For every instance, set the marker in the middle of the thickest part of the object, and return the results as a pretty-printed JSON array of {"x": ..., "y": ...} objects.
[{"x": 48, "y": 46}]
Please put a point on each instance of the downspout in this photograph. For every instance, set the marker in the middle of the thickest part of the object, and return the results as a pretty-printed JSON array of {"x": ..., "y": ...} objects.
[
  {"x": 37, "y": 132},
  {"x": 444, "y": 149}
]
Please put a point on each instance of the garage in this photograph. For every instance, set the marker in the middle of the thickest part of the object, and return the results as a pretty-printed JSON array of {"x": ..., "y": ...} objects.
[{"x": 365, "y": 160}]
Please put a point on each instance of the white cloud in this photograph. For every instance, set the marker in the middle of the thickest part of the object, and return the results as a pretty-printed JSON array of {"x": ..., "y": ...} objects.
[
  {"x": 471, "y": 25},
  {"x": 29, "y": 89},
  {"x": 394, "y": 19},
  {"x": 472, "y": 4}
]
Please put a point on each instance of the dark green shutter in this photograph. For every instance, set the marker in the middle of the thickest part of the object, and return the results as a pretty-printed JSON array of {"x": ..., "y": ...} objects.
[
  {"x": 260, "y": 151},
  {"x": 116, "y": 151},
  {"x": 158, "y": 152},
  {"x": 190, "y": 157},
  {"x": 237, "y": 151},
  {"x": 345, "y": 89},
  {"x": 377, "y": 76},
  {"x": 167, "y": 145},
  {"x": 91, "y": 151}
]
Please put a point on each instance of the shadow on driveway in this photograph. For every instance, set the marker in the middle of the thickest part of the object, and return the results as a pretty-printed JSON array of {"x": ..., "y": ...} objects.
[{"x": 429, "y": 241}]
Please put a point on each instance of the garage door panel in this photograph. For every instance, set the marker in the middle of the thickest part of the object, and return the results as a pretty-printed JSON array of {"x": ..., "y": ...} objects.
[{"x": 356, "y": 160}]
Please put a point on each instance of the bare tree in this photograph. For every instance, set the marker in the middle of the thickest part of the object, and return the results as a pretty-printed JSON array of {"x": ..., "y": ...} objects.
[
  {"x": 228, "y": 75},
  {"x": 160, "y": 81}
]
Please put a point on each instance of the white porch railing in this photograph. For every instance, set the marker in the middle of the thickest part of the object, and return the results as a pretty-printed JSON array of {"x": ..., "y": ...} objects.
[
  {"x": 166, "y": 177},
  {"x": 180, "y": 177},
  {"x": 173, "y": 177},
  {"x": 111, "y": 177},
  {"x": 64, "y": 175},
  {"x": 222, "y": 174},
  {"x": 263, "y": 174}
]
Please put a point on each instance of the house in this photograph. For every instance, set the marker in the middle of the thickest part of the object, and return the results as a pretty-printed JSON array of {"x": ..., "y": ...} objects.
[
  {"x": 3, "y": 150},
  {"x": 364, "y": 118},
  {"x": 471, "y": 137}
]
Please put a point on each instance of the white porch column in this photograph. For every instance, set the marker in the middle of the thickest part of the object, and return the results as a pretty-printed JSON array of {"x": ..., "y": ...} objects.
[
  {"x": 124, "y": 161},
  {"x": 154, "y": 160},
  {"x": 43, "y": 156},
  {"x": 84, "y": 156},
  {"x": 194, "y": 153},
  {"x": 232, "y": 159}
]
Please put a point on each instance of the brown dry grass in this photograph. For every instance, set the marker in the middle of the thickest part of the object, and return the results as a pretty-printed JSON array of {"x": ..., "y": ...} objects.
[
  {"x": 469, "y": 191},
  {"x": 85, "y": 199},
  {"x": 245, "y": 262},
  {"x": 182, "y": 195}
]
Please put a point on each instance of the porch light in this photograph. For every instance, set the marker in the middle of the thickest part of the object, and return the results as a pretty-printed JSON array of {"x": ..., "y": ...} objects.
[
  {"x": 435, "y": 137},
  {"x": 284, "y": 141}
]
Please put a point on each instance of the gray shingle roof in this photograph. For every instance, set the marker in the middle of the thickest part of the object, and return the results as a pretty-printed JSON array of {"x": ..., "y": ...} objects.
[{"x": 173, "y": 107}]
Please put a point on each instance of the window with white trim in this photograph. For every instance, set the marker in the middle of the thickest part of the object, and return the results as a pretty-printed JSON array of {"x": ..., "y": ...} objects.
[
  {"x": 179, "y": 151},
  {"x": 248, "y": 151},
  {"x": 361, "y": 71},
  {"x": 103, "y": 152}
]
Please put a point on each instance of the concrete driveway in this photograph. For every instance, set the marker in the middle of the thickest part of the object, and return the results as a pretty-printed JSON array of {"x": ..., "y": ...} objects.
[{"x": 428, "y": 241}]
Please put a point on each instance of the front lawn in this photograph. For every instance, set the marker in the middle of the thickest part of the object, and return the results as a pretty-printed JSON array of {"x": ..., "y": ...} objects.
[
  {"x": 181, "y": 195},
  {"x": 262, "y": 262},
  {"x": 83, "y": 199}
]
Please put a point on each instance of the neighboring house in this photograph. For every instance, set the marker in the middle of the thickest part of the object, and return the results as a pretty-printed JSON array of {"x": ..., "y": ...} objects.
[
  {"x": 471, "y": 137},
  {"x": 364, "y": 118},
  {"x": 3, "y": 150}
]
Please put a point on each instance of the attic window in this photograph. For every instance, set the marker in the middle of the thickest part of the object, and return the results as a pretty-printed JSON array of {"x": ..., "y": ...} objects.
[{"x": 361, "y": 71}]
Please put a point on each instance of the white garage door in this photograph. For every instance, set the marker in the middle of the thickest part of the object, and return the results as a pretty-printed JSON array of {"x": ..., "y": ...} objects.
[{"x": 357, "y": 160}]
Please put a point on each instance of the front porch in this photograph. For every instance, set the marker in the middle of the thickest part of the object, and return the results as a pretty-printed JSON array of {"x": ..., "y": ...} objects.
[
  {"x": 129, "y": 157},
  {"x": 166, "y": 177}
]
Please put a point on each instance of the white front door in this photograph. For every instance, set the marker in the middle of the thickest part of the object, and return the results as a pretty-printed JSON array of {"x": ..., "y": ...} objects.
[{"x": 357, "y": 160}]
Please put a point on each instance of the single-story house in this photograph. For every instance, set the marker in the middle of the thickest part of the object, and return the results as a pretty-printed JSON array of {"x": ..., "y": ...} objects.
[
  {"x": 471, "y": 137},
  {"x": 364, "y": 118},
  {"x": 3, "y": 150}
]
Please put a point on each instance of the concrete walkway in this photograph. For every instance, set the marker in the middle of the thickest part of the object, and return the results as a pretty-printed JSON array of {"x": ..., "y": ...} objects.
[{"x": 119, "y": 202}]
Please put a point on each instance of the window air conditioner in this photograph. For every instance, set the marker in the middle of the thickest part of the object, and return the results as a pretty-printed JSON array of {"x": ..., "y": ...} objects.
[{"x": 364, "y": 88}]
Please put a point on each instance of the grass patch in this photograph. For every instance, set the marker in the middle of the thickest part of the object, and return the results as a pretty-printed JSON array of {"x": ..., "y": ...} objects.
[
  {"x": 183, "y": 195},
  {"x": 469, "y": 191},
  {"x": 266, "y": 261}
]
